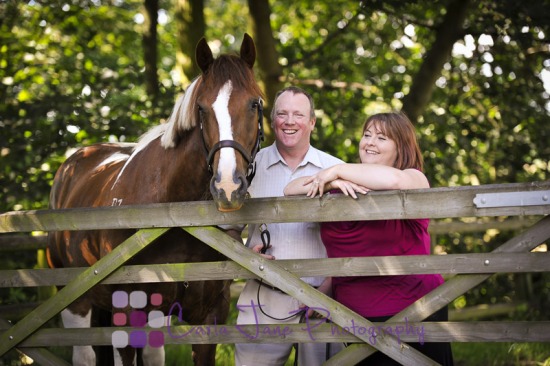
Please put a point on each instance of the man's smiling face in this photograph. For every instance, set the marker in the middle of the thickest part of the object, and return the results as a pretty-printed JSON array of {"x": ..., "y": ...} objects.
[{"x": 293, "y": 123}]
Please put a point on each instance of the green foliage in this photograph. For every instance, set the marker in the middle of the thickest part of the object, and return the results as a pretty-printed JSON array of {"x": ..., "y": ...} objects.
[
  {"x": 17, "y": 260},
  {"x": 360, "y": 58},
  {"x": 501, "y": 354},
  {"x": 72, "y": 74},
  {"x": 180, "y": 355}
]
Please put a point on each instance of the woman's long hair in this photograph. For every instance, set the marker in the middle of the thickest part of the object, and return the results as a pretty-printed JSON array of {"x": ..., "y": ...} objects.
[{"x": 398, "y": 127}]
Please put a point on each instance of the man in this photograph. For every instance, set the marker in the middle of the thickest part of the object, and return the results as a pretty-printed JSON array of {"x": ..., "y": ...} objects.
[{"x": 291, "y": 156}]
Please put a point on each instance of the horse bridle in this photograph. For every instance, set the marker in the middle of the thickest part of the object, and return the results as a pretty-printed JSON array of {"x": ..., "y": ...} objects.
[{"x": 237, "y": 146}]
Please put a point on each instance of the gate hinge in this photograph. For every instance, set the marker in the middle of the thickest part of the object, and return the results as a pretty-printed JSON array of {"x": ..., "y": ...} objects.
[{"x": 506, "y": 199}]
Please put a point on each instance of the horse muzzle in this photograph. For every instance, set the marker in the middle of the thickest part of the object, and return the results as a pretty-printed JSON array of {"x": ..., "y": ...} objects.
[{"x": 229, "y": 194}]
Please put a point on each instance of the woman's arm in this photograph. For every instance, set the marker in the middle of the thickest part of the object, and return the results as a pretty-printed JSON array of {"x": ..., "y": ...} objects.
[
  {"x": 305, "y": 185},
  {"x": 351, "y": 178},
  {"x": 375, "y": 176}
]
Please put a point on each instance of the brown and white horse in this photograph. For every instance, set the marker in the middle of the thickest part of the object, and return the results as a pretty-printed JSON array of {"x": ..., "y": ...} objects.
[{"x": 204, "y": 151}]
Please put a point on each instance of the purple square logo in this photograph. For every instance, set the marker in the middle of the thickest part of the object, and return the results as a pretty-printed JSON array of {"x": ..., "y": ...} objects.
[
  {"x": 156, "y": 338},
  {"x": 138, "y": 318},
  {"x": 138, "y": 339}
]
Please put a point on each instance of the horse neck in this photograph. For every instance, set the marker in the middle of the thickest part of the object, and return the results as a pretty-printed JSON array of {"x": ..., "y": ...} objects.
[{"x": 184, "y": 170}]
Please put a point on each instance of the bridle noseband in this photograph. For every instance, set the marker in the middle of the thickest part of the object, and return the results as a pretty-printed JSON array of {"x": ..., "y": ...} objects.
[{"x": 237, "y": 146}]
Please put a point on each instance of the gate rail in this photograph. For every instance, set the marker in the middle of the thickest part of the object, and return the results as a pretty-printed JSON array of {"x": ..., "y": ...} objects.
[{"x": 477, "y": 201}]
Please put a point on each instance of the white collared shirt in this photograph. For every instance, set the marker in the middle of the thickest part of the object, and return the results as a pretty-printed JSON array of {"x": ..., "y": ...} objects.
[{"x": 288, "y": 240}]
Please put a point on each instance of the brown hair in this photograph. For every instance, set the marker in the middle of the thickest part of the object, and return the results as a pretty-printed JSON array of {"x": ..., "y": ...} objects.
[
  {"x": 398, "y": 127},
  {"x": 294, "y": 90}
]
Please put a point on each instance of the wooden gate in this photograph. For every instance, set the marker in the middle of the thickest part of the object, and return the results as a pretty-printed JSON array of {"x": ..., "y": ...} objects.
[{"x": 469, "y": 269}]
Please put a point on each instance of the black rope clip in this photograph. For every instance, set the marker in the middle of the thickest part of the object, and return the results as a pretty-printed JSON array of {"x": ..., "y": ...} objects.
[{"x": 266, "y": 238}]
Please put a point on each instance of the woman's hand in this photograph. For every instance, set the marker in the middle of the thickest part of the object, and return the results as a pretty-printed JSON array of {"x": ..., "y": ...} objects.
[
  {"x": 317, "y": 183},
  {"x": 348, "y": 188}
]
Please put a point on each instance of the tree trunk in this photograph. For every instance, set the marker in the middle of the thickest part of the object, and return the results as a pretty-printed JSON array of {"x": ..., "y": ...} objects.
[
  {"x": 150, "y": 48},
  {"x": 449, "y": 31},
  {"x": 191, "y": 28},
  {"x": 268, "y": 57}
]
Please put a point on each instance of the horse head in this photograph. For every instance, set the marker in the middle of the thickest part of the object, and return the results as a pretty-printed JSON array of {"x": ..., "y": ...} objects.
[{"x": 225, "y": 101}]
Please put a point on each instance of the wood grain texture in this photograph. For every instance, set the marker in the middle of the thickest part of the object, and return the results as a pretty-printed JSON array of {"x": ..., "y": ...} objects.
[{"x": 425, "y": 203}]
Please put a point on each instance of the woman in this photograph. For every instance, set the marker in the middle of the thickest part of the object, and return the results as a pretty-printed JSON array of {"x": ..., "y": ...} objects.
[{"x": 390, "y": 159}]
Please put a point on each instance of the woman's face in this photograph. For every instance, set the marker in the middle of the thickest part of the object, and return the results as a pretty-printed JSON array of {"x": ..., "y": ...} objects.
[{"x": 377, "y": 148}]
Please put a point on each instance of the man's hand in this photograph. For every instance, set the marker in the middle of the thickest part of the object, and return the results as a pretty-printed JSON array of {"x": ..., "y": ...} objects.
[{"x": 258, "y": 248}]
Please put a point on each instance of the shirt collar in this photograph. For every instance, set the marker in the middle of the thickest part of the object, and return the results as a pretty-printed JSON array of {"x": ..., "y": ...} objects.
[{"x": 312, "y": 157}]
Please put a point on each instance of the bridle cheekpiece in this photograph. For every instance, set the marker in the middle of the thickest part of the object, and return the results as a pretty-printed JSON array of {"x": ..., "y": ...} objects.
[{"x": 237, "y": 146}]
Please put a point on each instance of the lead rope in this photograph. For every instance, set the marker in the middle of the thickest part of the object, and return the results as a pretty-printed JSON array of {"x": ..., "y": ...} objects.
[
  {"x": 265, "y": 236},
  {"x": 266, "y": 240}
]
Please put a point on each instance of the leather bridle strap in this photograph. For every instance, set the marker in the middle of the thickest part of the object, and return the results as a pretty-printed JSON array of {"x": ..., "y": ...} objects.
[
  {"x": 237, "y": 146},
  {"x": 228, "y": 143}
]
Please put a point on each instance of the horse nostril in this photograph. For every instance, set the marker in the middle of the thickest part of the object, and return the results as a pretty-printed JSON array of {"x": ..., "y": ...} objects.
[{"x": 243, "y": 186}]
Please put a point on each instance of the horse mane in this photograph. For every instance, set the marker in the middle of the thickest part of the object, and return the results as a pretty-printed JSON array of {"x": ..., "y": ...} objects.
[
  {"x": 231, "y": 67},
  {"x": 183, "y": 116}
]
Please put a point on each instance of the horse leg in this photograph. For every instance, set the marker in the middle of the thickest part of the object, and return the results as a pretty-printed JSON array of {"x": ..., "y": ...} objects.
[
  {"x": 82, "y": 355},
  {"x": 125, "y": 356},
  {"x": 103, "y": 354},
  {"x": 204, "y": 354},
  {"x": 153, "y": 356}
]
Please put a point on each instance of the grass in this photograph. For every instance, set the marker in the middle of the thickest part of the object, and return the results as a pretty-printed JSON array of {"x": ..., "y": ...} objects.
[
  {"x": 501, "y": 354},
  {"x": 180, "y": 355},
  {"x": 465, "y": 354}
]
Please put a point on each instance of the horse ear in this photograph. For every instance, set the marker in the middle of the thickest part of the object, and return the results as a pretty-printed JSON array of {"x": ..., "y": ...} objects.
[
  {"x": 203, "y": 55},
  {"x": 248, "y": 50}
]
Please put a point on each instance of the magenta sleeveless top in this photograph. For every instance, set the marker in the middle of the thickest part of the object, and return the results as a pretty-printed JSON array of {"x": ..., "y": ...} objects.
[{"x": 379, "y": 295}]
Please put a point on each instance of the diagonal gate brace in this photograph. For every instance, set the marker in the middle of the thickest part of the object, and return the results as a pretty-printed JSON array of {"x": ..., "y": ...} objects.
[
  {"x": 280, "y": 277},
  {"x": 82, "y": 283},
  {"x": 448, "y": 291}
]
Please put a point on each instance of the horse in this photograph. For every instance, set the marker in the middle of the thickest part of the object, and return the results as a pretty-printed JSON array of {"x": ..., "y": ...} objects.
[{"x": 204, "y": 151}]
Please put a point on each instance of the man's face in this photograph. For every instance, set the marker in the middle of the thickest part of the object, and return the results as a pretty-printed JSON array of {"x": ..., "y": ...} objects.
[{"x": 292, "y": 123}]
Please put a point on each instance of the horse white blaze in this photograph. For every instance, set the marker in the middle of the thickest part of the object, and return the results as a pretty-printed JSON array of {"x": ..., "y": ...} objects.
[
  {"x": 82, "y": 355},
  {"x": 228, "y": 160}
]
